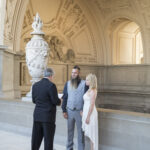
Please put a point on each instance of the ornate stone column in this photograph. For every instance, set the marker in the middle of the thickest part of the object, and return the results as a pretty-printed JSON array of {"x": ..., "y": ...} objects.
[
  {"x": 9, "y": 74},
  {"x": 2, "y": 49},
  {"x": 37, "y": 51}
]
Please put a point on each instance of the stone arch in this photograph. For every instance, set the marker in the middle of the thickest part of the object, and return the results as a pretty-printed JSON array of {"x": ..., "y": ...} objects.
[
  {"x": 89, "y": 29},
  {"x": 96, "y": 21},
  {"x": 130, "y": 18},
  {"x": 14, "y": 16},
  {"x": 127, "y": 47},
  {"x": 18, "y": 28}
]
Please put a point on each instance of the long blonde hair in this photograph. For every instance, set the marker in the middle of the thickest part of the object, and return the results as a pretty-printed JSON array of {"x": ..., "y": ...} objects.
[{"x": 92, "y": 81}]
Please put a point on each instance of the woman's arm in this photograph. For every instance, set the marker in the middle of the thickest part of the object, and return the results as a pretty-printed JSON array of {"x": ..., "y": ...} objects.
[{"x": 93, "y": 95}]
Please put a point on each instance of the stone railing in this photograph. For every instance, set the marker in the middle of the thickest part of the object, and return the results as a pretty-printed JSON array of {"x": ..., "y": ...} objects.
[
  {"x": 125, "y": 87},
  {"x": 123, "y": 130}
]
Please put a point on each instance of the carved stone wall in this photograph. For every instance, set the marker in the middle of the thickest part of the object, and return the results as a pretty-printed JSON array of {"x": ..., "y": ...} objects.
[
  {"x": 2, "y": 17},
  {"x": 9, "y": 79},
  {"x": 136, "y": 11},
  {"x": 62, "y": 74},
  {"x": 83, "y": 27},
  {"x": 9, "y": 18},
  {"x": 70, "y": 26},
  {"x": 125, "y": 87},
  {"x": 76, "y": 20}
]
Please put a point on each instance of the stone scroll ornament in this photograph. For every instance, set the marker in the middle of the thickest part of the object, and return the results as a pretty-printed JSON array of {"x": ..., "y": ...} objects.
[{"x": 37, "y": 51}]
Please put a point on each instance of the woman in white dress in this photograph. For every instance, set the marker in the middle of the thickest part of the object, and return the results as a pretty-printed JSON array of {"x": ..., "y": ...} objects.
[{"x": 89, "y": 114}]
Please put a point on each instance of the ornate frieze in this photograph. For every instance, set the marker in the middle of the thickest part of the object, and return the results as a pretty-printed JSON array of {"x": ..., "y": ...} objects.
[
  {"x": 113, "y": 4},
  {"x": 57, "y": 53},
  {"x": 10, "y": 9},
  {"x": 144, "y": 3},
  {"x": 109, "y": 7},
  {"x": 70, "y": 21}
]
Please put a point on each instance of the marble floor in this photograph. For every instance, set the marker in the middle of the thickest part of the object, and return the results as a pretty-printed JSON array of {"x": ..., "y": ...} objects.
[
  {"x": 16, "y": 127},
  {"x": 12, "y": 141}
]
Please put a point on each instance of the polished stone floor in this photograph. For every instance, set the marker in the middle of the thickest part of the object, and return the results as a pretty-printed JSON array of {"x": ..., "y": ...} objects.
[
  {"x": 16, "y": 127},
  {"x": 12, "y": 141}
]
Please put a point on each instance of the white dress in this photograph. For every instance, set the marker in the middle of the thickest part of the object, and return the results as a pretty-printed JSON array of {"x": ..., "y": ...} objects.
[{"x": 91, "y": 129}]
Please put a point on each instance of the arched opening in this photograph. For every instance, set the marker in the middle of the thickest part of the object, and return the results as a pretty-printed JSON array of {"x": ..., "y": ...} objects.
[{"x": 126, "y": 42}]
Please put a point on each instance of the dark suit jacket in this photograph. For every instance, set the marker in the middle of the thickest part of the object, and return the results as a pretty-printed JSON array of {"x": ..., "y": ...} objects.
[{"x": 45, "y": 96}]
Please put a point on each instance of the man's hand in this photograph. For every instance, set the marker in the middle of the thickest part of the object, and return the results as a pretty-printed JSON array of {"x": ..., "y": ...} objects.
[{"x": 65, "y": 115}]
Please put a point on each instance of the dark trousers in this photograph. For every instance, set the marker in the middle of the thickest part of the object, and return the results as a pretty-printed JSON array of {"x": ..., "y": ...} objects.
[{"x": 40, "y": 130}]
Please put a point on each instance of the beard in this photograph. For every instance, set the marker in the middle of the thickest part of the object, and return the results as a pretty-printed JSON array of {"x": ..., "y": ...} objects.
[{"x": 75, "y": 82}]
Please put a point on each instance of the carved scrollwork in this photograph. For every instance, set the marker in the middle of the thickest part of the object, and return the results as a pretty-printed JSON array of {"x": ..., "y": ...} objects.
[
  {"x": 56, "y": 45},
  {"x": 10, "y": 7}
]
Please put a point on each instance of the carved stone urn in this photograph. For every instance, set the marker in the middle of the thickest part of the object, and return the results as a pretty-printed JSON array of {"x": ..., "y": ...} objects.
[{"x": 37, "y": 51}]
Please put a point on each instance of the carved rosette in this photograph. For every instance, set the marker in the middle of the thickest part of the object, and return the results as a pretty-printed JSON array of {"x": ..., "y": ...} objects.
[{"x": 37, "y": 51}]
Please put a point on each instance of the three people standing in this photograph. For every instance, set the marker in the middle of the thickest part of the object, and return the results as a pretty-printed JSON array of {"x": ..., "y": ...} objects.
[{"x": 78, "y": 108}]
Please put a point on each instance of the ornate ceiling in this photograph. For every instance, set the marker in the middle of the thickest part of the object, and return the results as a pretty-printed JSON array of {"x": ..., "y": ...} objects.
[
  {"x": 65, "y": 20},
  {"x": 81, "y": 25}
]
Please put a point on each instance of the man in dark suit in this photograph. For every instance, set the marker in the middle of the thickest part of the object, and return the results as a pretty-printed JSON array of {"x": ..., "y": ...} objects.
[{"x": 45, "y": 96}]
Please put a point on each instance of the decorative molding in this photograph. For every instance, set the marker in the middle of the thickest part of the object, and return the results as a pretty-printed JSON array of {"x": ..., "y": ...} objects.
[
  {"x": 25, "y": 77},
  {"x": 144, "y": 3},
  {"x": 57, "y": 54},
  {"x": 10, "y": 9},
  {"x": 113, "y": 4},
  {"x": 109, "y": 7},
  {"x": 69, "y": 22}
]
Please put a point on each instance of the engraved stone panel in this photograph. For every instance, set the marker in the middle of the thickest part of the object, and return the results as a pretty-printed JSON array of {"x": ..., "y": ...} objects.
[
  {"x": 144, "y": 3},
  {"x": 9, "y": 68},
  {"x": 10, "y": 7},
  {"x": 122, "y": 76},
  {"x": 66, "y": 22},
  {"x": 125, "y": 51},
  {"x": 25, "y": 77},
  {"x": 82, "y": 43},
  {"x": 112, "y": 3}
]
